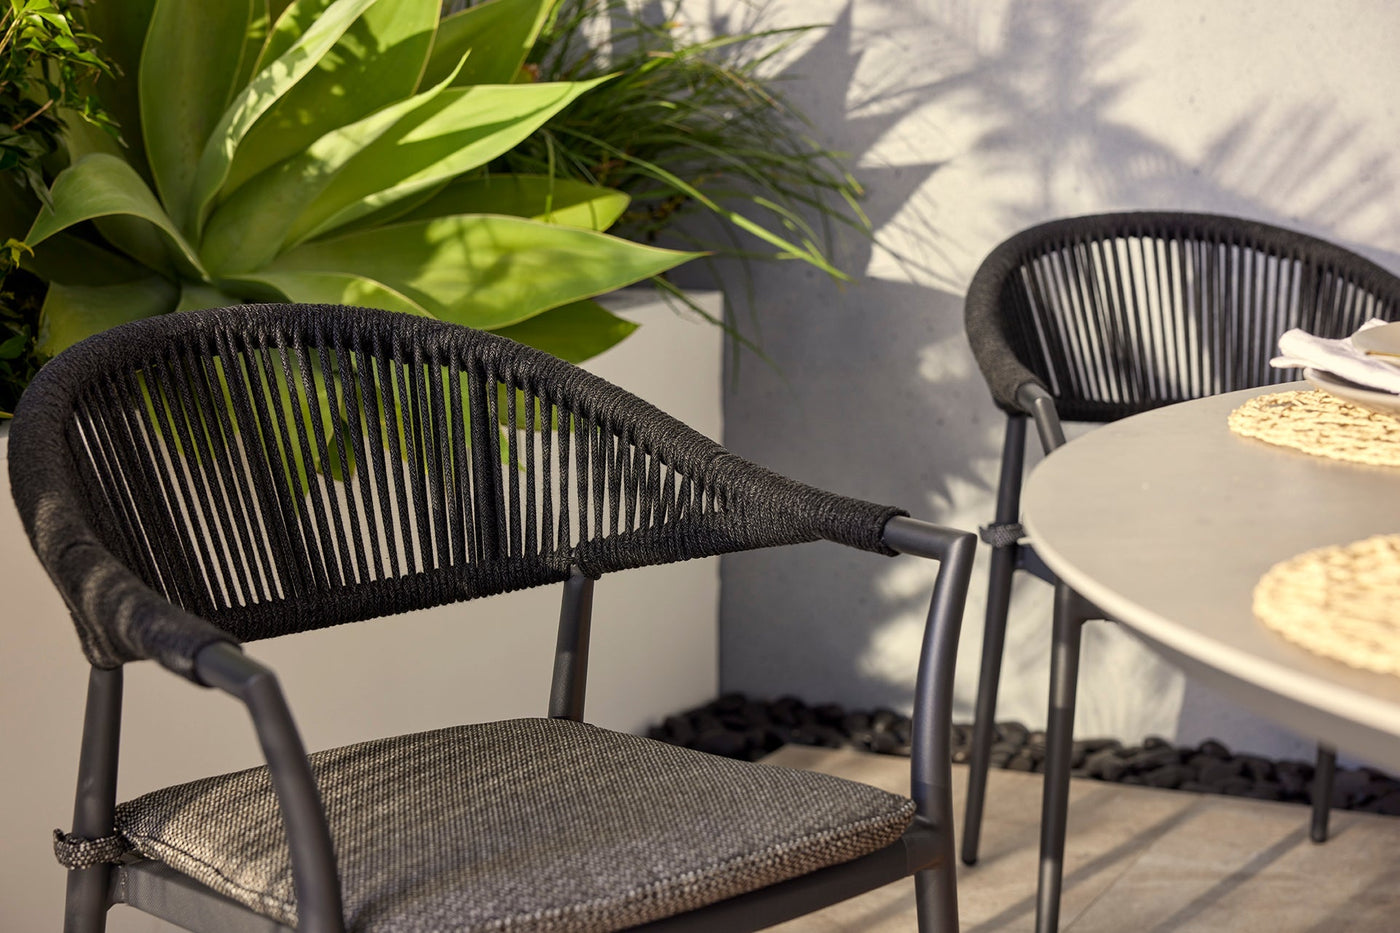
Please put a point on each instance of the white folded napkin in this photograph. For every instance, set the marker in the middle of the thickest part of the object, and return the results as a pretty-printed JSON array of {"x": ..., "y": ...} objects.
[{"x": 1339, "y": 357}]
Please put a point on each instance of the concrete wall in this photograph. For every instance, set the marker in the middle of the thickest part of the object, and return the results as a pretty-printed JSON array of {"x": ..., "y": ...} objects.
[{"x": 969, "y": 121}]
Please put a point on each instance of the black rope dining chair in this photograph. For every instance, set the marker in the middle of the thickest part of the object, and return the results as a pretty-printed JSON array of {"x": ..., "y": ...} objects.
[
  {"x": 1097, "y": 318},
  {"x": 197, "y": 481}
]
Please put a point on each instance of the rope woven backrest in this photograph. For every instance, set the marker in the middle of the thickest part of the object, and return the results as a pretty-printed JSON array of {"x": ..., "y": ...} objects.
[
  {"x": 1119, "y": 313},
  {"x": 279, "y": 468}
]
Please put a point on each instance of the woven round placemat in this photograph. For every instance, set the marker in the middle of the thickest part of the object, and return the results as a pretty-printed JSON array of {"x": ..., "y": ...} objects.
[
  {"x": 1342, "y": 602},
  {"x": 1320, "y": 424}
]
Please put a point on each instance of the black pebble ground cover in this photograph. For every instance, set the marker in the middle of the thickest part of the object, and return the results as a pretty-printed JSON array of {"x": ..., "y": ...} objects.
[{"x": 736, "y": 726}]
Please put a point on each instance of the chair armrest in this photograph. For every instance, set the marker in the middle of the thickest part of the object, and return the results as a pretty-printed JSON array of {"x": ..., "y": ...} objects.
[
  {"x": 227, "y": 668},
  {"x": 760, "y": 509},
  {"x": 931, "y": 777},
  {"x": 1034, "y": 398},
  {"x": 138, "y": 624},
  {"x": 119, "y": 618},
  {"x": 794, "y": 511}
]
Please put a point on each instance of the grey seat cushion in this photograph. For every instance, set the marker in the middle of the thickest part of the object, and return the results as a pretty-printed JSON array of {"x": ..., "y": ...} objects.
[{"x": 530, "y": 824}]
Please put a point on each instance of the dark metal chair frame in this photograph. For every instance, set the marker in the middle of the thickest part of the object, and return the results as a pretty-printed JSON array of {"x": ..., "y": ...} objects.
[
  {"x": 1101, "y": 317},
  {"x": 132, "y": 600}
]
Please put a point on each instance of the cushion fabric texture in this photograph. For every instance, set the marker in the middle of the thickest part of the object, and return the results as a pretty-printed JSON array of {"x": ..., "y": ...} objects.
[{"x": 529, "y": 824}]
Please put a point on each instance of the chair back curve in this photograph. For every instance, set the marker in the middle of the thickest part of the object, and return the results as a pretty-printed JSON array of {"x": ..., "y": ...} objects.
[
  {"x": 1114, "y": 314},
  {"x": 254, "y": 471}
]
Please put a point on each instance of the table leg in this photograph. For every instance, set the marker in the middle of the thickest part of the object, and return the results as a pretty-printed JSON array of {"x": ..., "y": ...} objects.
[
  {"x": 1071, "y": 611},
  {"x": 1322, "y": 791}
]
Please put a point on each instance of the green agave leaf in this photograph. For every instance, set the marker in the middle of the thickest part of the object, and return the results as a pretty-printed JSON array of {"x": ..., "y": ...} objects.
[
  {"x": 267, "y": 87},
  {"x": 335, "y": 288},
  {"x": 99, "y": 185},
  {"x": 196, "y": 296},
  {"x": 71, "y": 260},
  {"x": 76, "y": 312},
  {"x": 248, "y": 229},
  {"x": 456, "y": 131},
  {"x": 575, "y": 332},
  {"x": 498, "y": 33},
  {"x": 538, "y": 197},
  {"x": 186, "y": 77},
  {"x": 287, "y": 26},
  {"x": 143, "y": 242},
  {"x": 135, "y": 238},
  {"x": 287, "y": 20},
  {"x": 122, "y": 29},
  {"x": 375, "y": 63},
  {"x": 483, "y": 270},
  {"x": 390, "y": 212},
  {"x": 255, "y": 40}
]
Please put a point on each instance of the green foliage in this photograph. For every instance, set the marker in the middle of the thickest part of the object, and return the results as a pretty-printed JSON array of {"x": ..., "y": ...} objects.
[
  {"x": 334, "y": 153},
  {"x": 688, "y": 127},
  {"x": 47, "y": 67},
  {"x": 19, "y": 309},
  {"x": 464, "y": 165}
]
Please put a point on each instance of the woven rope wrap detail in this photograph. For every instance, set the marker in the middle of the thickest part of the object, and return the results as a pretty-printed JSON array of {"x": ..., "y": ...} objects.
[
  {"x": 1320, "y": 424},
  {"x": 220, "y": 513},
  {"x": 1340, "y": 602},
  {"x": 1001, "y": 534},
  {"x": 74, "y": 852}
]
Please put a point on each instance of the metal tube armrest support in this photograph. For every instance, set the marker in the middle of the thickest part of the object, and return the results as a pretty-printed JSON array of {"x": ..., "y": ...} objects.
[
  {"x": 227, "y": 668},
  {"x": 933, "y": 696},
  {"x": 1040, "y": 405},
  {"x": 931, "y": 779}
]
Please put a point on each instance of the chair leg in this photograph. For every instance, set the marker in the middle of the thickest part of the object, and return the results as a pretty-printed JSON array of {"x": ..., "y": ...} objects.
[
  {"x": 984, "y": 721},
  {"x": 936, "y": 896},
  {"x": 1013, "y": 458},
  {"x": 85, "y": 907},
  {"x": 567, "y": 692},
  {"x": 1322, "y": 791},
  {"x": 1059, "y": 738}
]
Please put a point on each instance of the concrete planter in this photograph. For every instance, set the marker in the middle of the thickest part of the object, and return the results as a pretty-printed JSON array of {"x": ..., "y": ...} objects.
[{"x": 655, "y": 650}]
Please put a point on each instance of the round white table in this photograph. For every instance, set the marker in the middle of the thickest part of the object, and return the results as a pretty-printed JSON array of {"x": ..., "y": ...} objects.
[{"x": 1166, "y": 521}]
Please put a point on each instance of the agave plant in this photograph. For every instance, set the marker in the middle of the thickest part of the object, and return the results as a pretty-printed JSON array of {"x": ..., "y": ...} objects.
[{"x": 328, "y": 151}]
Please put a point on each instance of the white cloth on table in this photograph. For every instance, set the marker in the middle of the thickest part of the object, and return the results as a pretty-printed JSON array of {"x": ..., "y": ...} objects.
[{"x": 1298, "y": 348}]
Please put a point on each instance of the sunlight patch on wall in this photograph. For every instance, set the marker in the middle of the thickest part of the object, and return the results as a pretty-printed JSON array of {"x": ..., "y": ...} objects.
[{"x": 946, "y": 361}]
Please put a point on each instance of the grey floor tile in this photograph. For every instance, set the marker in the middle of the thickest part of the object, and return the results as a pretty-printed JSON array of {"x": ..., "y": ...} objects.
[{"x": 1141, "y": 860}]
